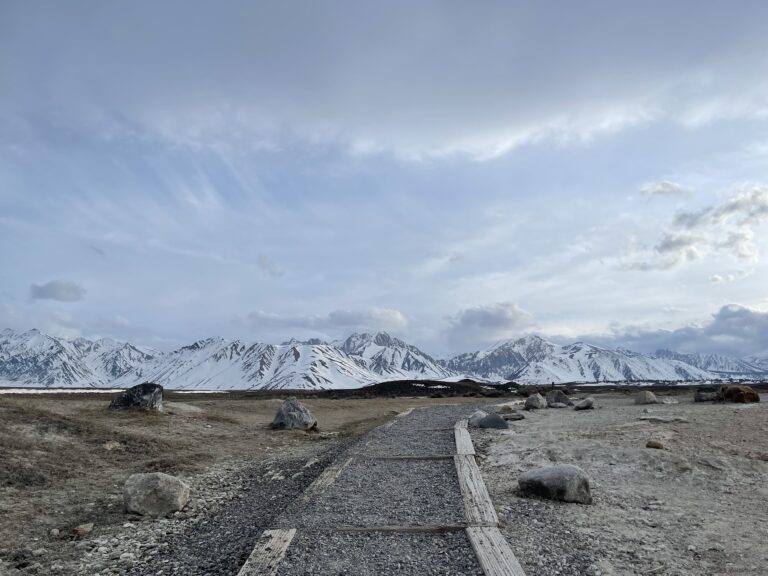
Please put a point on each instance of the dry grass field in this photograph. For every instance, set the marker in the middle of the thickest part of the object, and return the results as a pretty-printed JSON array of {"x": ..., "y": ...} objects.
[{"x": 64, "y": 458}]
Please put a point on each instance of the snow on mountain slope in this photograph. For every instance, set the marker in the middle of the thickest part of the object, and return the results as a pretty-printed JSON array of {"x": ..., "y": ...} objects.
[
  {"x": 35, "y": 359},
  {"x": 391, "y": 358},
  {"x": 725, "y": 366},
  {"x": 533, "y": 360}
]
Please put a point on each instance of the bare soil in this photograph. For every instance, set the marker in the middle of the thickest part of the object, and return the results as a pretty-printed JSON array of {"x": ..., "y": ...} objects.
[
  {"x": 699, "y": 506},
  {"x": 64, "y": 459}
]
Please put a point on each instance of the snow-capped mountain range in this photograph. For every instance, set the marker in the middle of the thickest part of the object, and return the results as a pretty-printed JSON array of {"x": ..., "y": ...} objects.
[{"x": 34, "y": 359}]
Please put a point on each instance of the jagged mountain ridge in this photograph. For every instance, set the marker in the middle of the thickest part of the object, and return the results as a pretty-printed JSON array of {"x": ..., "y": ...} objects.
[{"x": 36, "y": 359}]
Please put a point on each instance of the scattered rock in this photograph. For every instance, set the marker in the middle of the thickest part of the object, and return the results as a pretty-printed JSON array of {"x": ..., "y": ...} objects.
[
  {"x": 83, "y": 529},
  {"x": 586, "y": 404},
  {"x": 669, "y": 401},
  {"x": 514, "y": 416},
  {"x": 706, "y": 395},
  {"x": 564, "y": 482},
  {"x": 739, "y": 394},
  {"x": 54, "y": 533},
  {"x": 146, "y": 396},
  {"x": 507, "y": 409},
  {"x": 493, "y": 421},
  {"x": 39, "y": 552},
  {"x": 535, "y": 402},
  {"x": 558, "y": 405},
  {"x": 476, "y": 416},
  {"x": 645, "y": 397},
  {"x": 654, "y": 444},
  {"x": 293, "y": 415},
  {"x": 558, "y": 397},
  {"x": 112, "y": 445},
  {"x": 664, "y": 419},
  {"x": 154, "y": 494}
]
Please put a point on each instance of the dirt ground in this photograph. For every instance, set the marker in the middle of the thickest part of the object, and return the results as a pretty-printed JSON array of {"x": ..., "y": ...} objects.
[
  {"x": 699, "y": 506},
  {"x": 64, "y": 459}
]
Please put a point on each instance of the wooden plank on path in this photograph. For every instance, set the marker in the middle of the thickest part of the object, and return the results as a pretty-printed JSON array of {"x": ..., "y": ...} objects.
[
  {"x": 477, "y": 502},
  {"x": 463, "y": 439},
  {"x": 325, "y": 479},
  {"x": 493, "y": 552},
  {"x": 268, "y": 553}
]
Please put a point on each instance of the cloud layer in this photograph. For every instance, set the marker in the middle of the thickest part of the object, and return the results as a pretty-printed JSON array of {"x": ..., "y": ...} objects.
[{"x": 59, "y": 290}]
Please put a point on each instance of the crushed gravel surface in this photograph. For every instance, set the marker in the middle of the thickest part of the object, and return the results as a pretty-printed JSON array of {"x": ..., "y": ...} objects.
[
  {"x": 372, "y": 492},
  {"x": 389, "y": 443},
  {"x": 380, "y": 554}
]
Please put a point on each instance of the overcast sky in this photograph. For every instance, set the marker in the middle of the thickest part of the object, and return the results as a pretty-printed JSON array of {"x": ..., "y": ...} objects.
[{"x": 452, "y": 172}]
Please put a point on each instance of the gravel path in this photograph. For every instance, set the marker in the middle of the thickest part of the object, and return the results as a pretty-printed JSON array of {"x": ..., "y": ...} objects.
[{"x": 374, "y": 492}]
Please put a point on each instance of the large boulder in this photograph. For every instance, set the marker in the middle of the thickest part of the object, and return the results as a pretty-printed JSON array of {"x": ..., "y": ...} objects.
[
  {"x": 558, "y": 397},
  {"x": 645, "y": 397},
  {"x": 293, "y": 414},
  {"x": 535, "y": 402},
  {"x": 146, "y": 396},
  {"x": 586, "y": 404},
  {"x": 476, "y": 416},
  {"x": 739, "y": 394},
  {"x": 493, "y": 421},
  {"x": 564, "y": 482},
  {"x": 154, "y": 494}
]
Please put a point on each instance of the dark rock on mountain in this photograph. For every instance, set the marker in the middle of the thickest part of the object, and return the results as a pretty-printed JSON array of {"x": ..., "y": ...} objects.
[{"x": 146, "y": 396}]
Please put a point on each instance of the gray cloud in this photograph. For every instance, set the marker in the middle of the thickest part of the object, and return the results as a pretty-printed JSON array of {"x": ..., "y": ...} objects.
[
  {"x": 727, "y": 227},
  {"x": 733, "y": 330},
  {"x": 662, "y": 188},
  {"x": 373, "y": 319},
  {"x": 60, "y": 290},
  {"x": 487, "y": 323},
  {"x": 491, "y": 78}
]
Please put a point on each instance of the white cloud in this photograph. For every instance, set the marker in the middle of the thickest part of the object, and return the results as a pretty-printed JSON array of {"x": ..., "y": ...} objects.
[
  {"x": 373, "y": 319},
  {"x": 662, "y": 188},
  {"x": 487, "y": 323}
]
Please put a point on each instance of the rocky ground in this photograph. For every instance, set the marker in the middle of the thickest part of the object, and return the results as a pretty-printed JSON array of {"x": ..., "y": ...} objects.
[
  {"x": 65, "y": 460},
  {"x": 698, "y": 506}
]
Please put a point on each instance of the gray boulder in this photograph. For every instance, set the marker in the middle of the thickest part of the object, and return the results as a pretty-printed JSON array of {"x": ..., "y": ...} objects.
[
  {"x": 535, "y": 402},
  {"x": 493, "y": 421},
  {"x": 646, "y": 397},
  {"x": 564, "y": 482},
  {"x": 293, "y": 414},
  {"x": 586, "y": 404},
  {"x": 558, "y": 397},
  {"x": 476, "y": 416},
  {"x": 146, "y": 396},
  {"x": 154, "y": 494}
]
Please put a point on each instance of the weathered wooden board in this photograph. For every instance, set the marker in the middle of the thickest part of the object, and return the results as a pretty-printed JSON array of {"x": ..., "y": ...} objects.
[
  {"x": 268, "y": 553},
  {"x": 478, "y": 506},
  {"x": 493, "y": 552},
  {"x": 325, "y": 479},
  {"x": 463, "y": 439}
]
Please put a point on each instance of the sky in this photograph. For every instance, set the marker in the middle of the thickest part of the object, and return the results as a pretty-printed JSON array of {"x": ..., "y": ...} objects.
[{"x": 454, "y": 173}]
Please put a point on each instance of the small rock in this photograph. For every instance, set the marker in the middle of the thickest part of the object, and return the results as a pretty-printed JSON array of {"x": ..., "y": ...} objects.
[
  {"x": 535, "y": 402},
  {"x": 586, "y": 404},
  {"x": 39, "y": 552},
  {"x": 54, "y": 533},
  {"x": 706, "y": 395},
  {"x": 738, "y": 394},
  {"x": 83, "y": 529},
  {"x": 514, "y": 416},
  {"x": 557, "y": 405},
  {"x": 558, "y": 397},
  {"x": 654, "y": 444},
  {"x": 645, "y": 397},
  {"x": 493, "y": 421},
  {"x": 564, "y": 482}
]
